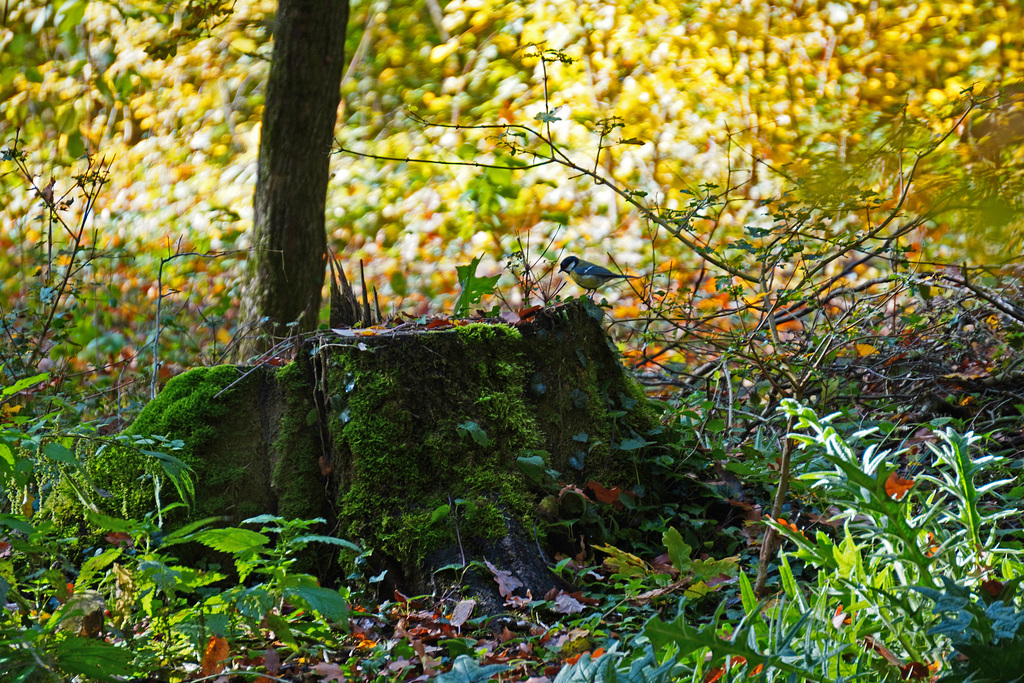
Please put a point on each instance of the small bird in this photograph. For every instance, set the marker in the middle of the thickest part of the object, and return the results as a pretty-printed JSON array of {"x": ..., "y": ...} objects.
[{"x": 588, "y": 275}]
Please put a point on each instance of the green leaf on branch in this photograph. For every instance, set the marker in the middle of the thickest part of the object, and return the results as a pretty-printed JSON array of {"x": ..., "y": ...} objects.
[{"x": 473, "y": 288}]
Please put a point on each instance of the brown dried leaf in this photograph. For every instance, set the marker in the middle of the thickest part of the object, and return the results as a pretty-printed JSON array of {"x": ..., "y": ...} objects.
[
  {"x": 329, "y": 671},
  {"x": 604, "y": 495},
  {"x": 272, "y": 661},
  {"x": 507, "y": 584},
  {"x": 462, "y": 612},
  {"x": 213, "y": 658},
  {"x": 325, "y": 466},
  {"x": 566, "y": 604}
]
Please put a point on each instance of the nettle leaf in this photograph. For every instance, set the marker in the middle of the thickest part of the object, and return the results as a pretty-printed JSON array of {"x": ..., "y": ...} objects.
[
  {"x": 329, "y": 603},
  {"x": 263, "y": 519},
  {"x": 25, "y": 383},
  {"x": 330, "y": 540},
  {"x": 60, "y": 453},
  {"x": 232, "y": 540},
  {"x": 474, "y": 288},
  {"x": 94, "y": 659}
]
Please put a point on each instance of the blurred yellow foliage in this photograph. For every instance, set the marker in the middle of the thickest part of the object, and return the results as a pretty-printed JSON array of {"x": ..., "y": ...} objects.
[{"x": 746, "y": 96}]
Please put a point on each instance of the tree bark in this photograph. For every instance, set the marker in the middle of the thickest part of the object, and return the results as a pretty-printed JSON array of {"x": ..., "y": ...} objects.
[{"x": 285, "y": 271}]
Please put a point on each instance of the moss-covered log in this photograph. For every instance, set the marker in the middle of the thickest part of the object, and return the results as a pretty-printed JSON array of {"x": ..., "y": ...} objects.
[{"x": 428, "y": 447}]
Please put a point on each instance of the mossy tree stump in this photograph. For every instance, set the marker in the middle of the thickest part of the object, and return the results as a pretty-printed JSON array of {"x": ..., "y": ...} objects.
[{"x": 421, "y": 446}]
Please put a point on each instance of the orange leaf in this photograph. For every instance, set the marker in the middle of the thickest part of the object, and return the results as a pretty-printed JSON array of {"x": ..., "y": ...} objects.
[
  {"x": 897, "y": 487},
  {"x": 527, "y": 313},
  {"x": 325, "y": 466},
  {"x": 216, "y": 652},
  {"x": 607, "y": 496},
  {"x": 119, "y": 538},
  {"x": 714, "y": 674},
  {"x": 915, "y": 671}
]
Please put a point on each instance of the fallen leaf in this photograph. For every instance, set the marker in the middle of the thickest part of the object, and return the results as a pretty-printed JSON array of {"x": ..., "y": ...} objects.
[
  {"x": 604, "y": 495},
  {"x": 897, "y": 487},
  {"x": 272, "y": 661},
  {"x": 528, "y": 313},
  {"x": 325, "y": 466},
  {"x": 329, "y": 671},
  {"x": 915, "y": 671},
  {"x": 873, "y": 644},
  {"x": 120, "y": 538},
  {"x": 993, "y": 587},
  {"x": 461, "y": 612},
  {"x": 213, "y": 658},
  {"x": 507, "y": 584},
  {"x": 517, "y": 602},
  {"x": 566, "y": 604}
]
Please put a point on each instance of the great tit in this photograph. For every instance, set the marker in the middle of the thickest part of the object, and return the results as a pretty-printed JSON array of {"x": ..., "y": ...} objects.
[{"x": 588, "y": 275}]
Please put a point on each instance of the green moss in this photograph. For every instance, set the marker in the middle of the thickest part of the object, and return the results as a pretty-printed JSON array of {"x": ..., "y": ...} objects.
[
  {"x": 402, "y": 445},
  {"x": 194, "y": 408},
  {"x": 299, "y": 449},
  {"x": 484, "y": 519}
]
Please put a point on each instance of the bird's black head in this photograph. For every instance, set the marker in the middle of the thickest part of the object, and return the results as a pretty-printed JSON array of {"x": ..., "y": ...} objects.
[{"x": 568, "y": 263}]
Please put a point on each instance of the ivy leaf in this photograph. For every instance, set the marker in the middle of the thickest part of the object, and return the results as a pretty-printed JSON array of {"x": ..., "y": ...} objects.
[{"x": 466, "y": 670}]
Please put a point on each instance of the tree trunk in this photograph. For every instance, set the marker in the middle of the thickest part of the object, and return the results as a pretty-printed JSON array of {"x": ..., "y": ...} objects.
[{"x": 285, "y": 272}]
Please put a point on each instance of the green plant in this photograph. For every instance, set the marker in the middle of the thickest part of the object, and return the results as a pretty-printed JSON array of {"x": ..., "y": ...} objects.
[
  {"x": 50, "y": 633},
  {"x": 255, "y": 554},
  {"x": 862, "y": 618},
  {"x": 985, "y": 627},
  {"x": 896, "y": 532},
  {"x": 474, "y": 287}
]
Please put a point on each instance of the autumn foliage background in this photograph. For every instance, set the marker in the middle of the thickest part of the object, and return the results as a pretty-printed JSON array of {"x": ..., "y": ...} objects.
[
  {"x": 754, "y": 99},
  {"x": 702, "y": 142}
]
